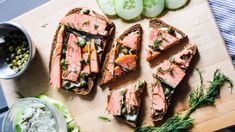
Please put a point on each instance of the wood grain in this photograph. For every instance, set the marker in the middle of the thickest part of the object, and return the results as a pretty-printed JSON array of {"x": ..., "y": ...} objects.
[{"x": 196, "y": 20}]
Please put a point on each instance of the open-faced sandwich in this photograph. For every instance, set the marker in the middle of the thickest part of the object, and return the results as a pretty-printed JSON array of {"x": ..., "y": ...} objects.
[
  {"x": 77, "y": 50},
  {"x": 161, "y": 37},
  {"x": 126, "y": 102},
  {"x": 123, "y": 55},
  {"x": 168, "y": 75}
]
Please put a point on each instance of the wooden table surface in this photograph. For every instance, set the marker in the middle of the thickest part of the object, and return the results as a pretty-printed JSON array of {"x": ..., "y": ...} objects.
[{"x": 196, "y": 20}]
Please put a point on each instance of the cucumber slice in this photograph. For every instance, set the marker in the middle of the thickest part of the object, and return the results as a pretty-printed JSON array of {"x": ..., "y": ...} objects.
[
  {"x": 128, "y": 9},
  {"x": 175, "y": 4},
  {"x": 107, "y": 6},
  {"x": 153, "y": 8}
]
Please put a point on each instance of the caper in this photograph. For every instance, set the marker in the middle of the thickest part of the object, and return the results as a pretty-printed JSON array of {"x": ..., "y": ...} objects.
[
  {"x": 167, "y": 91},
  {"x": 124, "y": 110},
  {"x": 13, "y": 61},
  {"x": 14, "y": 67},
  {"x": 132, "y": 51},
  {"x": 85, "y": 11},
  {"x": 12, "y": 55},
  {"x": 26, "y": 56},
  {"x": 25, "y": 61},
  {"x": 83, "y": 75},
  {"x": 81, "y": 42},
  {"x": 66, "y": 83},
  {"x": 83, "y": 61},
  {"x": 87, "y": 61},
  {"x": 82, "y": 83},
  {"x": 19, "y": 51},
  {"x": 17, "y": 57},
  {"x": 125, "y": 50},
  {"x": 11, "y": 48},
  {"x": 20, "y": 56},
  {"x": 19, "y": 62},
  {"x": 24, "y": 49}
]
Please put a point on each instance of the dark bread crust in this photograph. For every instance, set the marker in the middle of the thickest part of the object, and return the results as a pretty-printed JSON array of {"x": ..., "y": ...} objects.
[
  {"x": 158, "y": 23},
  {"x": 105, "y": 40},
  {"x": 133, "y": 28}
]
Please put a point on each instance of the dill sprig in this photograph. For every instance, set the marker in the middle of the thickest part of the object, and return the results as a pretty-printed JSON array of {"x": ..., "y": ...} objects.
[
  {"x": 197, "y": 99},
  {"x": 104, "y": 118}
]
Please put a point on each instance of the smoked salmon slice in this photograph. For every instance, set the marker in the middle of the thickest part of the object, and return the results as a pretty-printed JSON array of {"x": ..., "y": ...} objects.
[
  {"x": 162, "y": 37},
  {"x": 55, "y": 69},
  {"x": 94, "y": 58},
  {"x": 73, "y": 58},
  {"x": 126, "y": 102},
  {"x": 114, "y": 102},
  {"x": 127, "y": 61},
  {"x": 126, "y": 55},
  {"x": 118, "y": 71},
  {"x": 87, "y": 23},
  {"x": 169, "y": 73},
  {"x": 131, "y": 97},
  {"x": 159, "y": 104},
  {"x": 131, "y": 40}
]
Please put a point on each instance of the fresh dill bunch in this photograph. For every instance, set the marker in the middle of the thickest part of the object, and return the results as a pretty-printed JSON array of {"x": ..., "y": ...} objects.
[
  {"x": 197, "y": 99},
  {"x": 173, "y": 124}
]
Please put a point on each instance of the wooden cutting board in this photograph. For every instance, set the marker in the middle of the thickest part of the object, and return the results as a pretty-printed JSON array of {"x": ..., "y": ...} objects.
[{"x": 196, "y": 20}]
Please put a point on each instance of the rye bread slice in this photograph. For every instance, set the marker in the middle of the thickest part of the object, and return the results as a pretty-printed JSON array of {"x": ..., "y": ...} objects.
[
  {"x": 140, "y": 97},
  {"x": 133, "y": 28},
  {"x": 105, "y": 41},
  {"x": 157, "y": 23}
]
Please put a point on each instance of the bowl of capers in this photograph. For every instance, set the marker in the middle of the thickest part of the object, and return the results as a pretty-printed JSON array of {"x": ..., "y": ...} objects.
[{"x": 16, "y": 50}]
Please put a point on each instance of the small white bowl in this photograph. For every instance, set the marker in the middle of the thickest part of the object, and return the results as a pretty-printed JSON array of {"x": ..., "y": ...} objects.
[{"x": 6, "y": 28}]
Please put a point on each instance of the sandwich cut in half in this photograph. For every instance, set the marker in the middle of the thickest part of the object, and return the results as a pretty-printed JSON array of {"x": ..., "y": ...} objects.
[
  {"x": 168, "y": 75},
  {"x": 126, "y": 102},
  {"x": 123, "y": 55},
  {"x": 77, "y": 50},
  {"x": 161, "y": 37}
]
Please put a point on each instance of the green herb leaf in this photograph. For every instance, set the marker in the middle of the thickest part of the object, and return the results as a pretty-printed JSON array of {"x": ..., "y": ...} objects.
[
  {"x": 156, "y": 44},
  {"x": 171, "y": 31},
  {"x": 104, "y": 118},
  {"x": 96, "y": 26},
  {"x": 86, "y": 22},
  {"x": 63, "y": 64}
]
